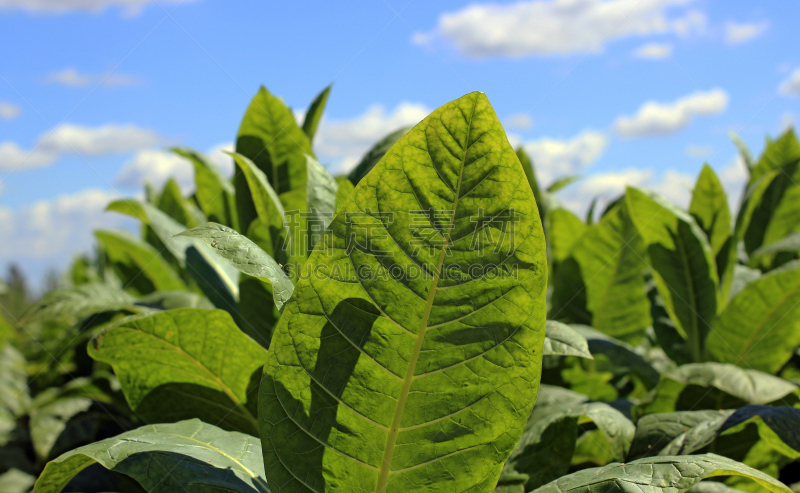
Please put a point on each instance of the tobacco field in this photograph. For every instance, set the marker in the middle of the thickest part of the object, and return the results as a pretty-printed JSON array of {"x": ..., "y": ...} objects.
[{"x": 435, "y": 321}]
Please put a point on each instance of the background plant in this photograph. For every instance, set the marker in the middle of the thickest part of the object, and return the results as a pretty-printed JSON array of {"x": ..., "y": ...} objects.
[{"x": 672, "y": 339}]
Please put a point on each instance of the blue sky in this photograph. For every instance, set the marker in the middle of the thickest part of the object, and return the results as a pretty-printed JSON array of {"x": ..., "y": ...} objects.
[{"x": 620, "y": 91}]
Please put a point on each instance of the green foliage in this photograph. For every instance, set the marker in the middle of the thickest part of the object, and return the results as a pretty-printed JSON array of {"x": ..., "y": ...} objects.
[
  {"x": 169, "y": 373},
  {"x": 683, "y": 265},
  {"x": 422, "y": 405},
  {"x": 385, "y": 331},
  {"x": 760, "y": 327},
  {"x": 165, "y": 457},
  {"x": 601, "y": 282}
]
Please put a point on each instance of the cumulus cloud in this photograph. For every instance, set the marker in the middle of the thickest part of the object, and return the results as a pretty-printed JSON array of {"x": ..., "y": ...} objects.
[
  {"x": 13, "y": 157},
  {"x": 86, "y": 141},
  {"x": 55, "y": 229},
  {"x": 654, "y": 118},
  {"x": 791, "y": 86},
  {"x": 343, "y": 142},
  {"x": 738, "y": 33},
  {"x": 605, "y": 186},
  {"x": 157, "y": 166},
  {"x": 222, "y": 160},
  {"x": 70, "y": 77},
  {"x": 128, "y": 7},
  {"x": 9, "y": 111},
  {"x": 519, "y": 121},
  {"x": 558, "y": 27},
  {"x": 554, "y": 158},
  {"x": 653, "y": 51}
]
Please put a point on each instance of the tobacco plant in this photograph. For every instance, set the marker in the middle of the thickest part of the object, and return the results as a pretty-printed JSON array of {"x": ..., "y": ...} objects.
[{"x": 391, "y": 330}]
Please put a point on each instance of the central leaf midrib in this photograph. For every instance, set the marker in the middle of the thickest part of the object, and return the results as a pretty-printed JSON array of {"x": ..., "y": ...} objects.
[{"x": 394, "y": 430}]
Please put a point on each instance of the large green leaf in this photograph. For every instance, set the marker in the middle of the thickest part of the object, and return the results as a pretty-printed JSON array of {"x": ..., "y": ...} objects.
[
  {"x": 742, "y": 276},
  {"x": 265, "y": 199},
  {"x": 660, "y": 433},
  {"x": 625, "y": 358},
  {"x": 63, "y": 418},
  {"x": 214, "y": 192},
  {"x": 684, "y": 433},
  {"x": 140, "y": 266},
  {"x": 530, "y": 174},
  {"x": 185, "y": 363},
  {"x": 750, "y": 202},
  {"x": 14, "y": 394},
  {"x": 562, "y": 340},
  {"x": 683, "y": 264},
  {"x": 564, "y": 230},
  {"x": 709, "y": 207},
  {"x": 176, "y": 206},
  {"x": 760, "y": 327},
  {"x": 789, "y": 244},
  {"x": 314, "y": 113},
  {"x": 669, "y": 474},
  {"x": 216, "y": 279},
  {"x": 73, "y": 303},
  {"x": 393, "y": 359},
  {"x": 165, "y": 458},
  {"x": 321, "y": 197},
  {"x": 246, "y": 256},
  {"x": 602, "y": 282},
  {"x": 778, "y": 213},
  {"x": 270, "y": 137},
  {"x": 545, "y": 450},
  {"x": 778, "y": 153},
  {"x": 375, "y": 154},
  {"x": 715, "y": 386}
]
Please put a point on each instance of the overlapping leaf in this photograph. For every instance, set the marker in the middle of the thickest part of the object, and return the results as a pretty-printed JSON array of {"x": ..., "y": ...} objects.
[
  {"x": 683, "y": 264},
  {"x": 185, "y": 363},
  {"x": 246, "y": 256},
  {"x": 668, "y": 474},
  {"x": 562, "y": 340},
  {"x": 393, "y": 358},
  {"x": 602, "y": 283},
  {"x": 699, "y": 386},
  {"x": 760, "y": 327},
  {"x": 165, "y": 458}
]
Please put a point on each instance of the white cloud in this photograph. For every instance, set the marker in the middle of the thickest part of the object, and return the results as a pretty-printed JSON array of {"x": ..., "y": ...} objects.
[
  {"x": 12, "y": 157},
  {"x": 654, "y": 51},
  {"x": 86, "y": 141},
  {"x": 603, "y": 186},
  {"x": 554, "y": 158},
  {"x": 128, "y": 7},
  {"x": 791, "y": 86},
  {"x": 222, "y": 160},
  {"x": 737, "y": 33},
  {"x": 558, "y": 27},
  {"x": 9, "y": 111},
  {"x": 699, "y": 151},
  {"x": 70, "y": 77},
  {"x": 56, "y": 229},
  {"x": 344, "y": 142},
  {"x": 654, "y": 118},
  {"x": 156, "y": 167},
  {"x": 519, "y": 121},
  {"x": 105, "y": 139}
]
